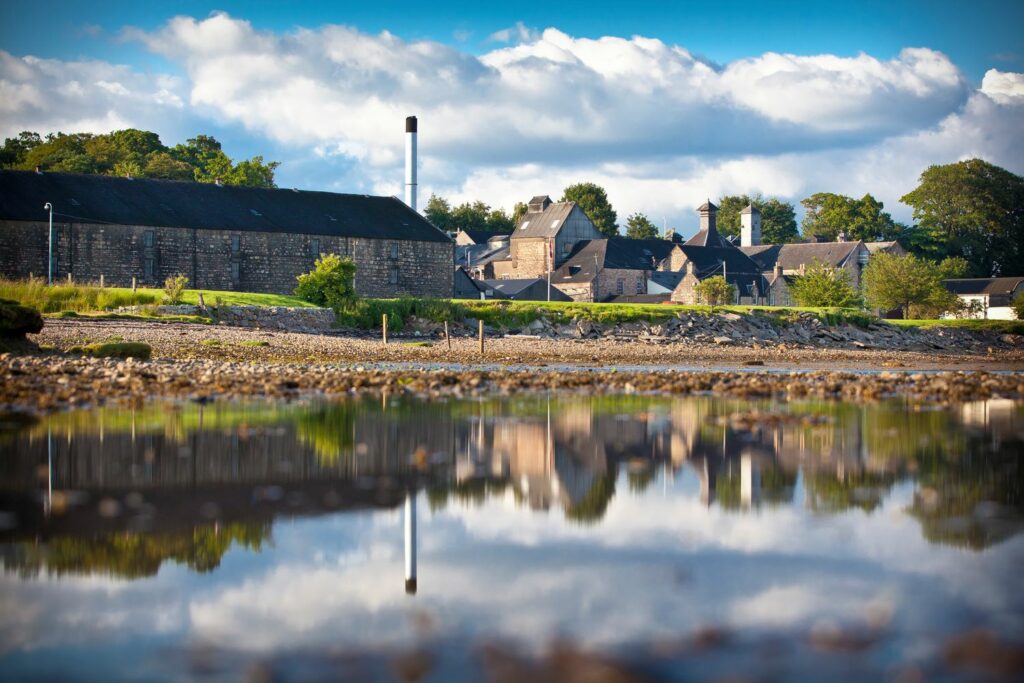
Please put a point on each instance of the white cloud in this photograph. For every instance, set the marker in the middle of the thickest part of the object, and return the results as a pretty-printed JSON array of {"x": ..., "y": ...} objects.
[{"x": 660, "y": 128}]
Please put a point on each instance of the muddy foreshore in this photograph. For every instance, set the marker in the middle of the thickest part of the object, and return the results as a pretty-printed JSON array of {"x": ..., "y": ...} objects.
[{"x": 46, "y": 383}]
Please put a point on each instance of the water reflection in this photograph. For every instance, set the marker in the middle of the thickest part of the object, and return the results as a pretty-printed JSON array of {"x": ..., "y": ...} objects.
[{"x": 622, "y": 522}]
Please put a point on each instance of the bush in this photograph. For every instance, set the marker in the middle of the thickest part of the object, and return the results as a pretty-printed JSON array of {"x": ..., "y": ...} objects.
[
  {"x": 823, "y": 285},
  {"x": 174, "y": 288},
  {"x": 331, "y": 283},
  {"x": 1018, "y": 306},
  {"x": 16, "y": 320},
  {"x": 116, "y": 350},
  {"x": 715, "y": 291}
]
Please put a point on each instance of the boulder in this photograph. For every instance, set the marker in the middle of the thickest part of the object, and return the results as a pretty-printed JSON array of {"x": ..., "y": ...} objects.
[
  {"x": 16, "y": 320},
  {"x": 723, "y": 340}
]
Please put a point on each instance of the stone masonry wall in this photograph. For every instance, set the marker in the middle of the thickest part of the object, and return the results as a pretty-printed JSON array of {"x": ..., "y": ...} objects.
[{"x": 262, "y": 262}]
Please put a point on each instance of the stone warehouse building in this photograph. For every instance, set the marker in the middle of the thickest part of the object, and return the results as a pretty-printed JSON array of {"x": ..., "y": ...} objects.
[{"x": 220, "y": 237}]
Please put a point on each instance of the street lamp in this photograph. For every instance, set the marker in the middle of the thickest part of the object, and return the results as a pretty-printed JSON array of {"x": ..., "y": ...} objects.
[{"x": 49, "y": 270}]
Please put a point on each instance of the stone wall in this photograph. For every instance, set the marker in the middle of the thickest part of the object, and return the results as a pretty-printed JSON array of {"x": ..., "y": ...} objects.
[
  {"x": 221, "y": 259},
  {"x": 633, "y": 282},
  {"x": 530, "y": 257}
]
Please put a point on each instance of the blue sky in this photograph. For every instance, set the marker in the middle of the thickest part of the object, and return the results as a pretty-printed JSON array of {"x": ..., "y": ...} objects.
[{"x": 700, "y": 104}]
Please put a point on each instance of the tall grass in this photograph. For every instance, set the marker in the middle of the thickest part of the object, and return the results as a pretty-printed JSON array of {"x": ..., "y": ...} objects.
[{"x": 78, "y": 298}]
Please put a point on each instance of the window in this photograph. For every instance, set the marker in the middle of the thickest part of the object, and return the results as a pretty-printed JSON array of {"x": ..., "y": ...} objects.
[
  {"x": 620, "y": 286},
  {"x": 525, "y": 225},
  {"x": 393, "y": 276},
  {"x": 394, "y": 250},
  {"x": 639, "y": 286},
  {"x": 314, "y": 248},
  {"x": 554, "y": 224},
  {"x": 148, "y": 268},
  {"x": 148, "y": 239},
  {"x": 236, "y": 271},
  {"x": 236, "y": 244}
]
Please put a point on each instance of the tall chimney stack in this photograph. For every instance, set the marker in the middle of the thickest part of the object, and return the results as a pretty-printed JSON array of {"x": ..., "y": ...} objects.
[
  {"x": 410, "y": 161},
  {"x": 750, "y": 226}
]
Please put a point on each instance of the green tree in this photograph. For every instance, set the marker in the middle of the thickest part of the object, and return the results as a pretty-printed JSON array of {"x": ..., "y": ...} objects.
[
  {"x": 439, "y": 212},
  {"x": 892, "y": 281},
  {"x": 972, "y": 209},
  {"x": 715, "y": 291},
  {"x": 593, "y": 200},
  {"x": 1018, "y": 306},
  {"x": 640, "y": 227},
  {"x": 13, "y": 152},
  {"x": 162, "y": 166},
  {"x": 470, "y": 216},
  {"x": 518, "y": 211},
  {"x": 253, "y": 173},
  {"x": 830, "y": 214},
  {"x": 330, "y": 283},
  {"x": 778, "y": 218},
  {"x": 823, "y": 285},
  {"x": 500, "y": 222},
  {"x": 953, "y": 267}
]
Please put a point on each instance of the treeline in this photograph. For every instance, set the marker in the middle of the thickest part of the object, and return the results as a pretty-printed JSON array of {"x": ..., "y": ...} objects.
[{"x": 135, "y": 153}]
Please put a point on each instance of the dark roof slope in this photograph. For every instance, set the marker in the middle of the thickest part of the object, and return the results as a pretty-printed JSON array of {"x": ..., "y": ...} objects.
[
  {"x": 707, "y": 260},
  {"x": 993, "y": 286},
  {"x": 485, "y": 236},
  {"x": 791, "y": 256},
  {"x": 162, "y": 203},
  {"x": 621, "y": 253}
]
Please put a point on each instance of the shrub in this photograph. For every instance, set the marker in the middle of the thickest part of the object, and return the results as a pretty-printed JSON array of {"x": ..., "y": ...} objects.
[
  {"x": 715, "y": 291},
  {"x": 116, "y": 350},
  {"x": 330, "y": 283},
  {"x": 1018, "y": 306},
  {"x": 17, "y": 320},
  {"x": 174, "y": 288},
  {"x": 823, "y": 285}
]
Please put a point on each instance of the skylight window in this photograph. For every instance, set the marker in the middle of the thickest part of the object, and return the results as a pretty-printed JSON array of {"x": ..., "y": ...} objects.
[
  {"x": 554, "y": 224},
  {"x": 331, "y": 218},
  {"x": 254, "y": 212},
  {"x": 74, "y": 202},
  {"x": 526, "y": 224}
]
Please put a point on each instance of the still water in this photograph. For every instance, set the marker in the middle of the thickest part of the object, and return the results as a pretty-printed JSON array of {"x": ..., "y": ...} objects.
[{"x": 612, "y": 538}]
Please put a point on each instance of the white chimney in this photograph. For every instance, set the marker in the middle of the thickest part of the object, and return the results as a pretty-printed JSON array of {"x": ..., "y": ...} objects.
[
  {"x": 750, "y": 226},
  {"x": 410, "y": 161}
]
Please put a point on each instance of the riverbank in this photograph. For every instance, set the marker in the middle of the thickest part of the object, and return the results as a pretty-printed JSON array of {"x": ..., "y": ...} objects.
[{"x": 179, "y": 341}]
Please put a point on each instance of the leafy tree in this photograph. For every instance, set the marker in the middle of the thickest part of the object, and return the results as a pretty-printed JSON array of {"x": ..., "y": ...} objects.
[
  {"x": 823, "y": 285},
  {"x": 892, "y": 281},
  {"x": 640, "y": 227},
  {"x": 715, "y": 291},
  {"x": 593, "y": 200},
  {"x": 778, "y": 218},
  {"x": 14, "y": 150},
  {"x": 137, "y": 153},
  {"x": 1018, "y": 306},
  {"x": 439, "y": 212},
  {"x": 953, "y": 267},
  {"x": 470, "y": 216},
  {"x": 830, "y": 214},
  {"x": 500, "y": 222},
  {"x": 972, "y": 209},
  {"x": 330, "y": 283},
  {"x": 518, "y": 211}
]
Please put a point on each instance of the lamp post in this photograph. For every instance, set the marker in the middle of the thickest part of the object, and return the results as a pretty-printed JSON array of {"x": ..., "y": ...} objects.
[{"x": 49, "y": 253}]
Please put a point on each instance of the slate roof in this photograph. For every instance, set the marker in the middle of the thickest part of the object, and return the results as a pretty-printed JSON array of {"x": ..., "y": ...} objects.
[
  {"x": 875, "y": 247},
  {"x": 484, "y": 236},
  {"x": 97, "y": 199},
  {"x": 750, "y": 208},
  {"x": 545, "y": 223},
  {"x": 993, "y": 286},
  {"x": 638, "y": 298},
  {"x": 668, "y": 279},
  {"x": 480, "y": 254},
  {"x": 708, "y": 259},
  {"x": 790, "y": 256},
  {"x": 708, "y": 238},
  {"x": 622, "y": 253}
]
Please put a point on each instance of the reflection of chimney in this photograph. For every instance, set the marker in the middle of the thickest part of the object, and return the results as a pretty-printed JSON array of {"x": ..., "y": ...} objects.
[
  {"x": 410, "y": 544},
  {"x": 410, "y": 161}
]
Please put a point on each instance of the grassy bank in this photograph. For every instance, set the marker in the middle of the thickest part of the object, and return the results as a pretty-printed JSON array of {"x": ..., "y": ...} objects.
[
  {"x": 366, "y": 314},
  {"x": 84, "y": 298},
  {"x": 997, "y": 326}
]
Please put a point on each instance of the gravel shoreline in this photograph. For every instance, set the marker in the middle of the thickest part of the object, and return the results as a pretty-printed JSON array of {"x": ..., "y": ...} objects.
[{"x": 218, "y": 342}]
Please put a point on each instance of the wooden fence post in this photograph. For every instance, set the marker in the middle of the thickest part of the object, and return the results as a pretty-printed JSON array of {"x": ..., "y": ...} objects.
[
  {"x": 133, "y": 284},
  {"x": 69, "y": 278},
  {"x": 447, "y": 336},
  {"x": 102, "y": 281},
  {"x": 481, "y": 337},
  {"x": 384, "y": 328}
]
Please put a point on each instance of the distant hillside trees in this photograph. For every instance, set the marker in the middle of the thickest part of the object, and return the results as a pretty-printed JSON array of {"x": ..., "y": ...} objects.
[
  {"x": 136, "y": 153},
  {"x": 467, "y": 216},
  {"x": 778, "y": 218},
  {"x": 972, "y": 209}
]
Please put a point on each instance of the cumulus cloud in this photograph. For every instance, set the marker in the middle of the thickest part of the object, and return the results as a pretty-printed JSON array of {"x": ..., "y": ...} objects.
[{"x": 660, "y": 127}]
